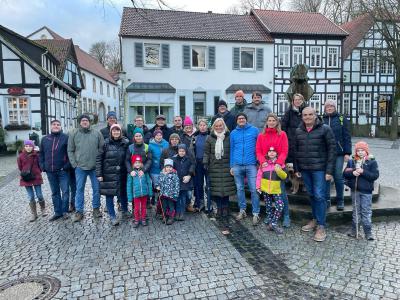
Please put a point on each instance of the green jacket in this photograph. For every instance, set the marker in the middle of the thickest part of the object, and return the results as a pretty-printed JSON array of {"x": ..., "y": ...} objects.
[{"x": 83, "y": 146}]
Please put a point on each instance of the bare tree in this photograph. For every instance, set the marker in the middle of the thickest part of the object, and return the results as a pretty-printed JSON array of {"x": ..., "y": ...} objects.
[
  {"x": 245, "y": 6},
  {"x": 113, "y": 56},
  {"x": 306, "y": 5},
  {"x": 99, "y": 51}
]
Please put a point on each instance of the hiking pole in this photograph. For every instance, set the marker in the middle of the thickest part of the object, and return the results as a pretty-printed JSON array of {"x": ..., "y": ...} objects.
[
  {"x": 356, "y": 206},
  {"x": 162, "y": 209}
]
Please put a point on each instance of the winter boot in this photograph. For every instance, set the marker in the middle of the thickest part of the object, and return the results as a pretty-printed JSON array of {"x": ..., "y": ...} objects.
[
  {"x": 32, "y": 205},
  {"x": 42, "y": 207}
]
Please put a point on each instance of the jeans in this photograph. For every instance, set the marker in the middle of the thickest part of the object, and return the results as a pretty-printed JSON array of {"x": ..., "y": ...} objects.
[
  {"x": 81, "y": 176},
  {"x": 59, "y": 185},
  {"x": 183, "y": 200},
  {"x": 339, "y": 182},
  {"x": 31, "y": 192},
  {"x": 362, "y": 212},
  {"x": 249, "y": 171},
  {"x": 199, "y": 180},
  {"x": 72, "y": 187},
  {"x": 316, "y": 184},
  {"x": 110, "y": 204}
]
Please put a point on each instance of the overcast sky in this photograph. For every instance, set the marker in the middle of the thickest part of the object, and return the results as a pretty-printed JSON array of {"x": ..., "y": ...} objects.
[{"x": 85, "y": 21}]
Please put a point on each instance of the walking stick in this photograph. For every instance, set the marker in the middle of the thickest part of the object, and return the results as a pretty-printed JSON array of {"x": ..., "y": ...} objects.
[
  {"x": 356, "y": 208},
  {"x": 162, "y": 209}
]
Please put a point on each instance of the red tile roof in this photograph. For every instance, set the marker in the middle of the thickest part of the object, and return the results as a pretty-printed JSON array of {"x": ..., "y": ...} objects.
[
  {"x": 55, "y": 35},
  {"x": 357, "y": 29},
  {"x": 300, "y": 23},
  {"x": 90, "y": 64},
  {"x": 174, "y": 24}
]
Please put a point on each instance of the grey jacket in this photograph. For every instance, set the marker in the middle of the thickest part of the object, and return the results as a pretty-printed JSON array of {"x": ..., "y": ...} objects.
[
  {"x": 83, "y": 147},
  {"x": 257, "y": 115}
]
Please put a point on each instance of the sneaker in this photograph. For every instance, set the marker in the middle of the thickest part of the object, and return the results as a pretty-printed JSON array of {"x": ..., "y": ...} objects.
[
  {"x": 256, "y": 219},
  {"x": 144, "y": 223},
  {"x": 241, "y": 215},
  {"x": 369, "y": 237},
  {"x": 352, "y": 234},
  {"x": 136, "y": 224},
  {"x": 320, "y": 234},
  {"x": 286, "y": 221},
  {"x": 114, "y": 222},
  {"x": 55, "y": 217},
  {"x": 65, "y": 216},
  {"x": 78, "y": 217},
  {"x": 277, "y": 229},
  {"x": 97, "y": 213},
  {"x": 310, "y": 226},
  {"x": 340, "y": 206}
]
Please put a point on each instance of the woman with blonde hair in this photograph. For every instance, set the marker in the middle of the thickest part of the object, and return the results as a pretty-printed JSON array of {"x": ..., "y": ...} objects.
[{"x": 216, "y": 161}]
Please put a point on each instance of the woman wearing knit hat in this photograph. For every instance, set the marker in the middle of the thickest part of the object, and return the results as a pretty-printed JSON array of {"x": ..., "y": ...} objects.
[
  {"x": 111, "y": 171},
  {"x": 361, "y": 173},
  {"x": 341, "y": 129},
  {"x": 31, "y": 177}
]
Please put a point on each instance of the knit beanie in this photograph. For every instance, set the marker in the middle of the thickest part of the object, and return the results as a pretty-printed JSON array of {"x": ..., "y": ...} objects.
[
  {"x": 111, "y": 114},
  {"x": 222, "y": 103},
  {"x": 174, "y": 135},
  {"x": 330, "y": 102},
  {"x": 135, "y": 158},
  {"x": 83, "y": 116},
  {"x": 187, "y": 121},
  {"x": 29, "y": 142},
  {"x": 157, "y": 131},
  {"x": 138, "y": 130},
  {"x": 239, "y": 93},
  {"x": 117, "y": 126},
  {"x": 241, "y": 114},
  {"x": 361, "y": 145},
  {"x": 182, "y": 146},
  {"x": 168, "y": 162}
]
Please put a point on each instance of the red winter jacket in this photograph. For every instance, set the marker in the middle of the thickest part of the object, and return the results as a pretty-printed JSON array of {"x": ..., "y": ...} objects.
[
  {"x": 271, "y": 138},
  {"x": 25, "y": 161}
]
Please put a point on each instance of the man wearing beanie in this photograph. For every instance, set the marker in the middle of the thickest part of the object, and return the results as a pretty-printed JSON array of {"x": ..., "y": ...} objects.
[
  {"x": 257, "y": 112},
  {"x": 111, "y": 119},
  {"x": 240, "y": 103},
  {"x": 340, "y": 127},
  {"x": 83, "y": 145},
  {"x": 225, "y": 114}
]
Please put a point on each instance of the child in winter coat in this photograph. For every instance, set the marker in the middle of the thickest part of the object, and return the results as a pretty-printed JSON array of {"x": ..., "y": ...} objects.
[
  {"x": 31, "y": 177},
  {"x": 268, "y": 183},
  {"x": 360, "y": 174},
  {"x": 139, "y": 187},
  {"x": 169, "y": 190},
  {"x": 184, "y": 166}
]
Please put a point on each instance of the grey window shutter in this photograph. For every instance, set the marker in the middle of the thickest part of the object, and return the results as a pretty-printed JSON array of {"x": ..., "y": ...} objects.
[
  {"x": 186, "y": 56},
  {"x": 211, "y": 57},
  {"x": 139, "y": 54},
  {"x": 165, "y": 55},
  {"x": 236, "y": 59},
  {"x": 260, "y": 59}
]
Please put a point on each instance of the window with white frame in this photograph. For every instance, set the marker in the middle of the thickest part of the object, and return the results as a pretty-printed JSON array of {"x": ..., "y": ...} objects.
[
  {"x": 331, "y": 97},
  {"x": 108, "y": 90},
  {"x": 283, "y": 55},
  {"x": 84, "y": 105},
  {"x": 367, "y": 65},
  {"x": 333, "y": 57},
  {"x": 18, "y": 110},
  {"x": 315, "y": 56},
  {"x": 94, "y": 85},
  {"x": 283, "y": 104},
  {"x": 101, "y": 88},
  {"x": 151, "y": 55},
  {"x": 364, "y": 103},
  {"x": 90, "y": 105},
  {"x": 298, "y": 55},
  {"x": 199, "y": 57},
  {"x": 114, "y": 95},
  {"x": 346, "y": 104},
  {"x": 315, "y": 102},
  {"x": 247, "y": 57},
  {"x": 386, "y": 67}
]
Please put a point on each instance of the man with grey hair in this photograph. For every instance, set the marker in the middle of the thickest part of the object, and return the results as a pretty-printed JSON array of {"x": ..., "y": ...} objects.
[{"x": 315, "y": 154}]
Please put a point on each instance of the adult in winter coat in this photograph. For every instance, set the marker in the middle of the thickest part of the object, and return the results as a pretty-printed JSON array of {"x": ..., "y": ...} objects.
[
  {"x": 28, "y": 162},
  {"x": 111, "y": 171},
  {"x": 290, "y": 121},
  {"x": 216, "y": 160},
  {"x": 257, "y": 112},
  {"x": 315, "y": 150},
  {"x": 140, "y": 148},
  {"x": 188, "y": 135},
  {"x": 240, "y": 103},
  {"x": 111, "y": 120},
  {"x": 139, "y": 123},
  {"x": 160, "y": 125},
  {"x": 273, "y": 136},
  {"x": 54, "y": 161},
  {"x": 178, "y": 126},
  {"x": 225, "y": 114},
  {"x": 243, "y": 165},
  {"x": 340, "y": 127},
  {"x": 83, "y": 145},
  {"x": 172, "y": 149}
]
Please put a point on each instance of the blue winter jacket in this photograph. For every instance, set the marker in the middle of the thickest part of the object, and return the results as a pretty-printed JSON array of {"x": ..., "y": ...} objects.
[
  {"x": 365, "y": 182},
  {"x": 340, "y": 127},
  {"x": 243, "y": 146},
  {"x": 156, "y": 149},
  {"x": 53, "y": 152},
  {"x": 138, "y": 186}
]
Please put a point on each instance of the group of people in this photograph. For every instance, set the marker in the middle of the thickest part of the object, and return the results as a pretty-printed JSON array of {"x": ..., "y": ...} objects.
[{"x": 246, "y": 146}]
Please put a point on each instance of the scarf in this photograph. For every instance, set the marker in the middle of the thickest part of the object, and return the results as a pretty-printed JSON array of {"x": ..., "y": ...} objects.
[{"x": 219, "y": 145}]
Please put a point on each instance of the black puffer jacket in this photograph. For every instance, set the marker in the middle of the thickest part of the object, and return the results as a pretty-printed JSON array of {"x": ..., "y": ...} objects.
[
  {"x": 340, "y": 127},
  {"x": 110, "y": 164},
  {"x": 221, "y": 181},
  {"x": 290, "y": 121},
  {"x": 184, "y": 166},
  {"x": 143, "y": 151},
  {"x": 315, "y": 150}
]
